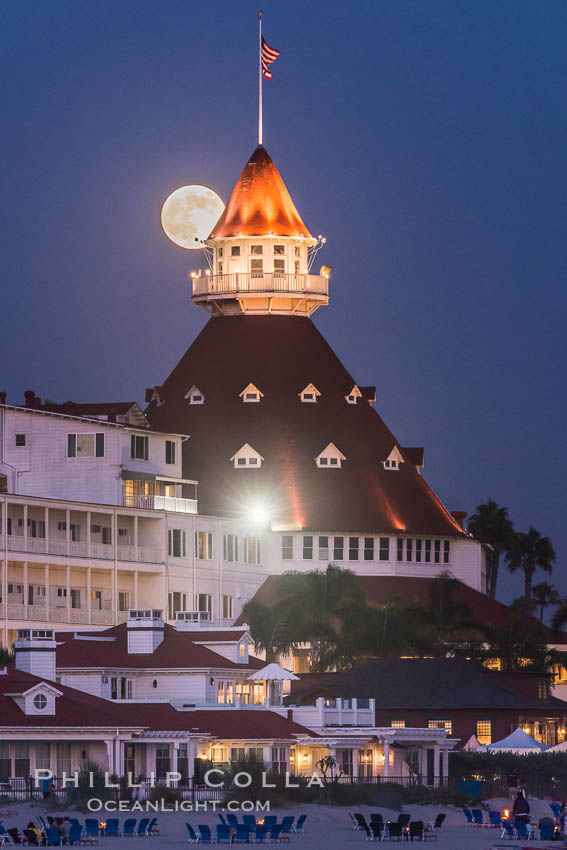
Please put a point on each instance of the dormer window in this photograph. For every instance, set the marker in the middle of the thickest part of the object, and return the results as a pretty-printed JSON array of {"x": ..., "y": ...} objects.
[
  {"x": 354, "y": 395},
  {"x": 40, "y": 702},
  {"x": 247, "y": 457},
  {"x": 195, "y": 396},
  {"x": 394, "y": 459},
  {"x": 309, "y": 394},
  {"x": 330, "y": 458},
  {"x": 251, "y": 393}
]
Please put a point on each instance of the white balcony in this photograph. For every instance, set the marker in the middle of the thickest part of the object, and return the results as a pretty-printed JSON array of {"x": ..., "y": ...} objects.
[
  {"x": 56, "y": 614},
  {"x": 161, "y": 503},
  {"x": 242, "y": 282},
  {"x": 72, "y": 549}
]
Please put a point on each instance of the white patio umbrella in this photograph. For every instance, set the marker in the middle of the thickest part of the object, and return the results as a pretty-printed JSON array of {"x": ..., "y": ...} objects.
[{"x": 273, "y": 673}]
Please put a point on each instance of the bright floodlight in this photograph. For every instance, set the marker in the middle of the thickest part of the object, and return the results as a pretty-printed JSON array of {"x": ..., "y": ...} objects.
[{"x": 259, "y": 514}]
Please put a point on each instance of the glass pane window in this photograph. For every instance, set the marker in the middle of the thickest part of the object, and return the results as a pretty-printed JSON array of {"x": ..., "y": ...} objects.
[
  {"x": 484, "y": 731},
  {"x": 437, "y": 551},
  {"x": 227, "y": 607},
  {"x": 428, "y": 551},
  {"x": 398, "y": 724},
  {"x": 257, "y": 266},
  {"x": 441, "y": 724},
  {"x": 287, "y": 547},
  {"x": 368, "y": 548},
  {"x": 409, "y": 550},
  {"x": 169, "y": 451},
  {"x": 139, "y": 447},
  {"x": 85, "y": 445},
  {"x": 279, "y": 249},
  {"x": 446, "y": 551},
  {"x": 204, "y": 545},
  {"x": 256, "y": 249},
  {"x": 230, "y": 547},
  {"x": 252, "y": 550},
  {"x": 307, "y": 548},
  {"x": 418, "y": 550},
  {"x": 384, "y": 548},
  {"x": 353, "y": 548},
  {"x": 400, "y": 549},
  {"x": 323, "y": 548},
  {"x": 235, "y": 251},
  {"x": 176, "y": 543},
  {"x": 279, "y": 266},
  {"x": 338, "y": 548}
]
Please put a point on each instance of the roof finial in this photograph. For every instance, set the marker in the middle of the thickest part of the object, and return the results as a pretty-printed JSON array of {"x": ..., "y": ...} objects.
[{"x": 260, "y": 128}]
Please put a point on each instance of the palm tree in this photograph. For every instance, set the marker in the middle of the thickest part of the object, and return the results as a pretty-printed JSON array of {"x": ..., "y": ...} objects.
[
  {"x": 491, "y": 524},
  {"x": 517, "y": 647},
  {"x": 529, "y": 552},
  {"x": 544, "y": 595},
  {"x": 7, "y": 656},
  {"x": 435, "y": 625},
  {"x": 559, "y": 619}
]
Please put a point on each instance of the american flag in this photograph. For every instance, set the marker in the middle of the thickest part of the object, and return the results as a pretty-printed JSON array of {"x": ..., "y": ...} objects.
[{"x": 269, "y": 55}]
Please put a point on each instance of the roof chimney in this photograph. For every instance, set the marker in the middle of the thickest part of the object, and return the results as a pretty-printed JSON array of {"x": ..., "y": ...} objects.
[
  {"x": 29, "y": 397},
  {"x": 459, "y": 516},
  {"x": 35, "y": 652},
  {"x": 145, "y": 631},
  {"x": 3, "y": 397}
]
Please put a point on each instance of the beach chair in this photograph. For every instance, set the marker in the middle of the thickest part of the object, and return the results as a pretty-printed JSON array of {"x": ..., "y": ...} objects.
[
  {"x": 361, "y": 821},
  {"x": 261, "y": 833},
  {"x": 222, "y": 819},
  {"x": 193, "y": 837},
  {"x": 416, "y": 830},
  {"x": 31, "y": 838},
  {"x": 376, "y": 830},
  {"x": 403, "y": 820},
  {"x": 546, "y": 828},
  {"x": 287, "y": 823},
  {"x": 436, "y": 824},
  {"x": 393, "y": 831},
  {"x": 468, "y": 815},
  {"x": 477, "y": 817},
  {"x": 299, "y": 825},
  {"x": 91, "y": 828},
  {"x": 494, "y": 818},
  {"x": 129, "y": 828},
  {"x": 556, "y": 809},
  {"x": 232, "y": 820},
  {"x": 271, "y": 820},
  {"x": 223, "y": 834},
  {"x": 14, "y": 833},
  {"x": 522, "y": 830},
  {"x": 153, "y": 828},
  {"x": 143, "y": 827},
  {"x": 76, "y": 834},
  {"x": 53, "y": 837},
  {"x": 507, "y": 830},
  {"x": 242, "y": 833},
  {"x": 112, "y": 829},
  {"x": 250, "y": 820},
  {"x": 206, "y": 836},
  {"x": 5, "y": 837},
  {"x": 277, "y": 834}
]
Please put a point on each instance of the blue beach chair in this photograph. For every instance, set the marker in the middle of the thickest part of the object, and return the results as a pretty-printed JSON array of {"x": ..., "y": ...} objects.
[
  {"x": 242, "y": 833},
  {"x": 92, "y": 828},
  {"x": 112, "y": 828},
  {"x": 477, "y": 817},
  {"x": 143, "y": 827},
  {"x": 206, "y": 836},
  {"x": 494, "y": 818},
  {"x": 299, "y": 825},
  {"x": 153, "y": 828},
  {"x": 193, "y": 837},
  {"x": 507, "y": 830},
  {"x": 468, "y": 815},
  {"x": 223, "y": 834},
  {"x": 76, "y": 834},
  {"x": 129, "y": 827},
  {"x": 53, "y": 837}
]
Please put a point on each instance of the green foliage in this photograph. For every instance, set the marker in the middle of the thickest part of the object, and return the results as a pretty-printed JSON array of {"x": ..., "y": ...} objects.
[
  {"x": 529, "y": 552},
  {"x": 168, "y": 795},
  {"x": 545, "y": 774},
  {"x": 91, "y": 785},
  {"x": 491, "y": 524},
  {"x": 7, "y": 655}
]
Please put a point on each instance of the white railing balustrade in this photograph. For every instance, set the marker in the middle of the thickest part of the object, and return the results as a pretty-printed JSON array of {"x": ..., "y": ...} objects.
[
  {"x": 74, "y": 549},
  {"x": 161, "y": 503},
  {"x": 221, "y": 284}
]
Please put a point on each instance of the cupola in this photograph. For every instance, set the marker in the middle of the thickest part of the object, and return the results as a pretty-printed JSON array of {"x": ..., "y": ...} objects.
[{"x": 260, "y": 251}]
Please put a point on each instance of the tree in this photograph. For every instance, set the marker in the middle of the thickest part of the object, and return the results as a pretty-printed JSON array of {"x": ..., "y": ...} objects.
[
  {"x": 544, "y": 595},
  {"x": 434, "y": 627},
  {"x": 559, "y": 619},
  {"x": 491, "y": 524},
  {"x": 529, "y": 552},
  {"x": 268, "y": 629},
  {"x": 525, "y": 605},
  {"x": 517, "y": 647},
  {"x": 7, "y": 656}
]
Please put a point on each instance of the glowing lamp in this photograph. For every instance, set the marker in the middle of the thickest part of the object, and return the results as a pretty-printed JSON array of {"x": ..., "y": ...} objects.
[
  {"x": 305, "y": 757},
  {"x": 325, "y": 271}
]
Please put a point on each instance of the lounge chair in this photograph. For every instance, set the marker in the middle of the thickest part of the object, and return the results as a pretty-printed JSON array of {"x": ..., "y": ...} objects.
[
  {"x": 416, "y": 830},
  {"x": 403, "y": 820},
  {"x": 153, "y": 828},
  {"x": 92, "y": 829},
  {"x": 477, "y": 817},
  {"x": 522, "y": 830},
  {"x": 250, "y": 820},
  {"x": 299, "y": 825},
  {"x": 206, "y": 836},
  {"x": 242, "y": 833},
  {"x": 355, "y": 824},
  {"x": 287, "y": 823},
  {"x": 361, "y": 821},
  {"x": 494, "y": 818},
  {"x": 393, "y": 831},
  {"x": 233, "y": 821},
  {"x": 5, "y": 837},
  {"x": 468, "y": 815},
  {"x": 376, "y": 829},
  {"x": 223, "y": 834},
  {"x": 112, "y": 828},
  {"x": 546, "y": 828},
  {"x": 75, "y": 834},
  {"x": 53, "y": 837},
  {"x": 193, "y": 837},
  {"x": 277, "y": 834},
  {"x": 15, "y": 835},
  {"x": 507, "y": 830},
  {"x": 31, "y": 837},
  {"x": 261, "y": 833},
  {"x": 271, "y": 820},
  {"x": 143, "y": 827},
  {"x": 222, "y": 819},
  {"x": 556, "y": 809},
  {"x": 129, "y": 827}
]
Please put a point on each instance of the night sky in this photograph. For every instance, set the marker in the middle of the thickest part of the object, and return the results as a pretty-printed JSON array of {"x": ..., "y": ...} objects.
[{"x": 427, "y": 139}]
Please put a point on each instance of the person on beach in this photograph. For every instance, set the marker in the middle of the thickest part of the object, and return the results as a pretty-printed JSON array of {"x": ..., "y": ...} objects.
[{"x": 521, "y": 808}]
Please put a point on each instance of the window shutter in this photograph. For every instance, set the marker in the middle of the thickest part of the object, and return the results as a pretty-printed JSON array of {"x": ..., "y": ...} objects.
[
  {"x": 183, "y": 544},
  {"x": 196, "y": 545},
  {"x": 146, "y": 444},
  {"x": 169, "y": 542},
  {"x": 133, "y": 445},
  {"x": 71, "y": 445},
  {"x": 99, "y": 440},
  {"x": 209, "y": 546},
  {"x": 235, "y": 548}
]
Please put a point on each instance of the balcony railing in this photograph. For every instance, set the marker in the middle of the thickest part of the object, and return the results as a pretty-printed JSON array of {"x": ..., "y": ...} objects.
[
  {"x": 73, "y": 549},
  {"x": 55, "y": 614},
  {"x": 220, "y": 284},
  {"x": 161, "y": 503}
]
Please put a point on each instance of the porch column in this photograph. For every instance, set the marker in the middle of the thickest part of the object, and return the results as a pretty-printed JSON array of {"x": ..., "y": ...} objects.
[
  {"x": 25, "y": 528},
  {"x": 136, "y": 535},
  {"x": 175, "y": 758},
  {"x": 89, "y": 594},
  {"x": 53, "y": 757},
  {"x": 445, "y": 767},
  {"x": 110, "y": 755},
  {"x": 420, "y": 766},
  {"x": 68, "y": 530},
  {"x": 355, "y": 762},
  {"x": 136, "y": 592},
  {"x": 436, "y": 767},
  {"x": 47, "y": 592},
  {"x": 68, "y": 591},
  {"x": 386, "y": 759},
  {"x": 26, "y": 591},
  {"x": 119, "y": 760},
  {"x": 46, "y": 520},
  {"x": 88, "y": 532}
]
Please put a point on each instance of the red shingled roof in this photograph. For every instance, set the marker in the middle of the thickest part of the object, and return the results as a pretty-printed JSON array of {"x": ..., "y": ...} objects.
[
  {"x": 260, "y": 203},
  {"x": 178, "y": 650},
  {"x": 281, "y": 355}
]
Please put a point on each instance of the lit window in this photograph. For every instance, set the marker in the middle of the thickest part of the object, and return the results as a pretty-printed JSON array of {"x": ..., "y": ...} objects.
[
  {"x": 484, "y": 732},
  {"x": 384, "y": 548},
  {"x": 242, "y": 650},
  {"x": 309, "y": 394},
  {"x": 543, "y": 689},
  {"x": 287, "y": 547},
  {"x": 308, "y": 548},
  {"x": 256, "y": 266},
  {"x": 251, "y": 393},
  {"x": 85, "y": 445},
  {"x": 279, "y": 266},
  {"x": 447, "y": 725},
  {"x": 323, "y": 548},
  {"x": 296, "y": 267},
  {"x": 398, "y": 724},
  {"x": 256, "y": 249},
  {"x": 203, "y": 545}
]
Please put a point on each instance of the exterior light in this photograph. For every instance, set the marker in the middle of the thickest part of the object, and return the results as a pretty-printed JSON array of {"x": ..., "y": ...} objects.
[
  {"x": 305, "y": 757},
  {"x": 208, "y": 272}
]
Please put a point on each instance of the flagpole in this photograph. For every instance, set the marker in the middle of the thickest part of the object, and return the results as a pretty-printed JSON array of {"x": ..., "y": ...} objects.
[{"x": 260, "y": 128}]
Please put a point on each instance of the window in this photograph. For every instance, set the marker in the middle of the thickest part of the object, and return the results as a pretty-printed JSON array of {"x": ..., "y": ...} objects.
[
  {"x": 428, "y": 551},
  {"x": 484, "y": 731},
  {"x": 279, "y": 761},
  {"x": 139, "y": 447},
  {"x": 247, "y": 457},
  {"x": 409, "y": 550},
  {"x": 163, "y": 760},
  {"x": 169, "y": 451},
  {"x": 230, "y": 547},
  {"x": 447, "y": 725},
  {"x": 204, "y": 603},
  {"x": 384, "y": 549},
  {"x": 354, "y": 395},
  {"x": 235, "y": 251},
  {"x": 297, "y": 251},
  {"x": 330, "y": 457},
  {"x": 353, "y": 548},
  {"x": 123, "y": 600},
  {"x": 256, "y": 249},
  {"x": 279, "y": 266},
  {"x": 63, "y": 758},
  {"x": 237, "y": 754},
  {"x": 309, "y": 394},
  {"x": 176, "y": 543},
  {"x": 338, "y": 548},
  {"x": 446, "y": 551},
  {"x": 252, "y": 550},
  {"x": 219, "y": 267},
  {"x": 308, "y": 547},
  {"x": 256, "y": 753},
  {"x": 40, "y": 702},
  {"x": 251, "y": 393},
  {"x": 218, "y": 755},
  {"x": 398, "y": 724},
  {"x": 418, "y": 546},
  {"x": 256, "y": 266},
  {"x": 220, "y": 252},
  {"x": 296, "y": 266},
  {"x": 20, "y": 439},
  {"x": 543, "y": 689},
  {"x": 400, "y": 554},
  {"x": 203, "y": 545},
  {"x": 120, "y": 688},
  {"x": 195, "y": 396},
  {"x": 391, "y": 464},
  {"x": 279, "y": 249},
  {"x": 176, "y": 601},
  {"x": 287, "y": 547},
  {"x": 227, "y": 607},
  {"x": 85, "y": 445},
  {"x": 368, "y": 548},
  {"x": 437, "y": 551},
  {"x": 323, "y": 548},
  {"x": 394, "y": 459}
]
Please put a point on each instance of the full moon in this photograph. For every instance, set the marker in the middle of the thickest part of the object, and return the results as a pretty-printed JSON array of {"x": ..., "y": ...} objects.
[{"x": 189, "y": 215}]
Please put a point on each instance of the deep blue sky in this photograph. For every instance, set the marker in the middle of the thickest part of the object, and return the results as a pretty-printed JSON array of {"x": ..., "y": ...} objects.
[{"x": 427, "y": 139}]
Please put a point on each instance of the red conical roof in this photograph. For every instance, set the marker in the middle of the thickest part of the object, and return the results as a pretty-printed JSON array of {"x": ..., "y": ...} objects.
[{"x": 260, "y": 204}]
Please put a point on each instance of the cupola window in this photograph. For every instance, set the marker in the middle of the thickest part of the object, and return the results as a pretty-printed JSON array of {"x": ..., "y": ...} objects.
[
  {"x": 256, "y": 249},
  {"x": 235, "y": 251},
  {"x": 195, "y": 396},
  {"x": 309, "y": 393},
  {"x": 354, "y": 395},
  {"x": 279, "y": 249},
  {"x": 247, "y": 457},
  {"x": 330, "y": 457},
  {"x": 394, "y": 459},
  {"x": 251, "y": 393}
]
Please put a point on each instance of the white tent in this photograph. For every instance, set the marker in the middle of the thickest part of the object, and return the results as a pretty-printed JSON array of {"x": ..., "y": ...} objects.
[
  {"x": 518, "y": 742},
  {"x": 558, "y": 748},
  {"x": 473, "y": 745},
  {"x": 273, "y": 673}
]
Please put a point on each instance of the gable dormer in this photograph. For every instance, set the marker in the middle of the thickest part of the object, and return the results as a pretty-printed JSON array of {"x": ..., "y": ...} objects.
[
  {"x": 251, "y": 393},
  {"x": 153, "y": 395},
  {"x": 394, "y": 459},
  {"x": 37, "y": 701},
  {"x": 195, "y": 396},
  {"x": 353, "y": 396},
  {"x": 309, "y": 394},
  {"x": 247, "y": 457},
  {"x": 330, "y": 457}
]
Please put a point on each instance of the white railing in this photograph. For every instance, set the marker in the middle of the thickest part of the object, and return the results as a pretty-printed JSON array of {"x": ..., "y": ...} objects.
[
  {"x": 161, "y": 503},
  {"x": 55, "y": 614},
  {"x": 73, "y": 549},
  {"x": 219, "y": 284}
]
